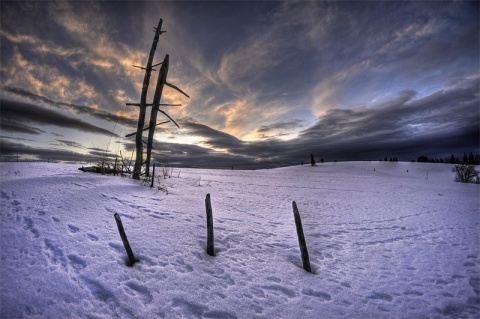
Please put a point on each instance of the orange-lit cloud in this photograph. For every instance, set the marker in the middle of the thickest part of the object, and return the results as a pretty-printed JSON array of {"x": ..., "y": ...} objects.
[{"x": 131, "y": 114}]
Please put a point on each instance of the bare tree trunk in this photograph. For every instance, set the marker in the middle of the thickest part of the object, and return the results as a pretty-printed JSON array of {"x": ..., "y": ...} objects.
[
  {"x": 143, "y": 102},
  {"x": 162, "y": 79}
]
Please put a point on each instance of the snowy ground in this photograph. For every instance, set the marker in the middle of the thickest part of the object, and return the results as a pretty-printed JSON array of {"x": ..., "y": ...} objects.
[{"x": 383, "y": 242}]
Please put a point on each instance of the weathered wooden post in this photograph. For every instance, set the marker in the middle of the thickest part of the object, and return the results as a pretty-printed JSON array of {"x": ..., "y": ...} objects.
[
  {"x": 153, "y": 175},
  {"x": 131, "y": 256},
  {"x": 301, "y": 238},
  {"x": 143, "y": 104},
  {"x": 210, "y": 245}
]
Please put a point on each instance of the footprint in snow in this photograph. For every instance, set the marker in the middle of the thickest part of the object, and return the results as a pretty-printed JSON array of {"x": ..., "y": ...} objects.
[
  {"x": 274, "y": 279},
  {"x": 190, "y": 308},
  {"x": 276, "y": 289},
  {"x": 80, "y": 185},
  {"x": 117, "y": 247},
  {"x": 319, "y": 294},
  {"x": 76, "y": 262},
  {"x": 98, "y": 290},
  {"x": 30, "y": 226},
  {"x": 73, "y": 229},
  {"x": 53, "y": 251},
  {"x": 219, "y": 314},
  {"x": 136, "y": 289},
  {"x": 92, "y": 237},
  {"x": 17, "y": 205},
  {"x": 380, "y": 296}
]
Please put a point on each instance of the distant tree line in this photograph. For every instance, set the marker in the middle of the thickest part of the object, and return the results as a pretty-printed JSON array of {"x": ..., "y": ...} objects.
[
  {"x": 391, "y": 159},
  {"x": 469, "y": 158}
]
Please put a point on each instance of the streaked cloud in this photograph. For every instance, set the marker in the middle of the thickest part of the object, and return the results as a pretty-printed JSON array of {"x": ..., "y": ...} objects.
[
  {"x": 9, "y": 151},
  {"x": 17, "y": 114},
  {"x": 121, "y": 118}
]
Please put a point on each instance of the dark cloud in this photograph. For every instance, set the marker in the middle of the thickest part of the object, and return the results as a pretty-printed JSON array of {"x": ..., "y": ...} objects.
[
  {"x": 214, "y": 138},
  {"x": 406, "y": 127},
  {"x": 294, "y": 124},
  {"x": 441, "y": 113},
  {"x": 71, "y": 144},
  {"x": 10, "y": 125},
  {"x": 15, "y": 115},
  {"x": 16, "y": 138},
  {"x": 9, "y": 151},
  {"x": 436, "y": 125},
  {"x": 79, "y": 109},
  {"x": 185, "y": 155},
  {"x": 103, "y": 155}
]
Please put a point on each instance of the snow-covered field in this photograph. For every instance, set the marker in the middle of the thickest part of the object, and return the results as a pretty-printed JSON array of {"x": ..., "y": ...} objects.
[{"x": 386, "y": 240}]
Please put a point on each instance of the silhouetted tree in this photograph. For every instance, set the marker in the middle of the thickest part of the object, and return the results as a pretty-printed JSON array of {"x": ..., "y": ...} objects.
[
  {"x": 452, "y": 159},
  {"x": 312, "y": 160},
  {"x": 465, "y": 173},
  {"x": 471, "y": 159},
  {"x": 422, "y": 159}
]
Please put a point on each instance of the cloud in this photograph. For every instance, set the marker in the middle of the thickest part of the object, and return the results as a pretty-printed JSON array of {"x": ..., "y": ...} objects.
[
  {"x": 17, "y": 114},
  {"x": 79, "y": 109},
  {"x": 281, "y": 126},
  {"x": 71, "y": 144},
  {"x": 9, "y": 151},
  {"x": 185, "y": 155},
  {"x": 41, "y": 46},
  {"x": 10, "y": 125},
  {"x": 442, "y": 116},
  {"x": 73, "y": 59},
  {"x": 444, "y": 122},
  {"x": 213, "y": 138},
  {"x": 406, "y": 127}
]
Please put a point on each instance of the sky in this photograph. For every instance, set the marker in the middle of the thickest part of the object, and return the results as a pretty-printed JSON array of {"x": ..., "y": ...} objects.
[{"x": 270, "y": 82}]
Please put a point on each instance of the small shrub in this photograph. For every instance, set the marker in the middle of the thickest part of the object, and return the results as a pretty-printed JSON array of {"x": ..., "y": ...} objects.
[{"x": 465, "y": 173}]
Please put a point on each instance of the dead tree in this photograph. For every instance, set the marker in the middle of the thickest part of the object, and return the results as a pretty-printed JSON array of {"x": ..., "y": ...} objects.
[
  {"x": 143, "y": 103},
  {"x": 161, "y": 82}
]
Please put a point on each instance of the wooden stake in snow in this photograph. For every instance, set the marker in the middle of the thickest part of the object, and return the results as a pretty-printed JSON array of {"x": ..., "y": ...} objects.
[
  {"x": 210, "y": 246},
  {"x": 153, "y": 175},
  {"x": 301, "y": 238},
  {"x": 131, "y": 256}
]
